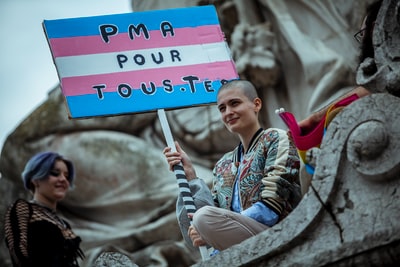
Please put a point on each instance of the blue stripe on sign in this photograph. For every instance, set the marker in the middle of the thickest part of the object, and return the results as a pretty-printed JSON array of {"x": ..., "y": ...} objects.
[
  {"x": 179, "y": 18},
  {"x": 83, "y": 106}
]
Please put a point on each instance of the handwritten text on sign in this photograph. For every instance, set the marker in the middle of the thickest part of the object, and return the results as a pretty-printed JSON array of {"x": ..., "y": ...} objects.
[{"x": 141, "y": 61}]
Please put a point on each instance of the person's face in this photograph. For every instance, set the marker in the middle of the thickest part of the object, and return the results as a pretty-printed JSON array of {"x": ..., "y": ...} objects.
[
  {"x": 238, "y": 113},
  {"x": 55, "y": 187}
]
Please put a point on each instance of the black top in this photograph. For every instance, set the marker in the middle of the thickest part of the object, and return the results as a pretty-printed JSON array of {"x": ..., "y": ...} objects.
[{"x": 36, "y": 236}]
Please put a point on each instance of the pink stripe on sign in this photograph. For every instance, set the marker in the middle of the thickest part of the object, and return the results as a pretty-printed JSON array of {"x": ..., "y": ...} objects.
[
  {"x": 83, "y": 85},
  {"x": 62, "y": 47}
]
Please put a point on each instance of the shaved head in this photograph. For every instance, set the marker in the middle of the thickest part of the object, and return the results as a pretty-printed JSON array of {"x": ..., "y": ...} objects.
[{"x": 246, "y": 87}]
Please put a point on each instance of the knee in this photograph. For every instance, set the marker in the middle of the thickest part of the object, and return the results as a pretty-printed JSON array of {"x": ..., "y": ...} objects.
[{"x": 203, "y": 216}]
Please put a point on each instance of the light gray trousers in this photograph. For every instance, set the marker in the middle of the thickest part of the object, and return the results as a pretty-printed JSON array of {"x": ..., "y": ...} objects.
[{"x": 222, "y": 228}]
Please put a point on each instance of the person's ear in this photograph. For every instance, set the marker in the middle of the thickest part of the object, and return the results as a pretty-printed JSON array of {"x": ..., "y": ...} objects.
[
  {"x": 257, "y": 104},
  {"x": 35, "y": 184}
]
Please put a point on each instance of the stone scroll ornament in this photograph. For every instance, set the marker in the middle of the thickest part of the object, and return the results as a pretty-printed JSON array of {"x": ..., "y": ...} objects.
[{"x": 141, "y": 62}]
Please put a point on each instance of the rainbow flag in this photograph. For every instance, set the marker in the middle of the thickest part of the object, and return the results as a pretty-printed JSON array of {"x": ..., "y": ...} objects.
[
  {"x": 140, "y": 61},
  {"x": 313, "y": 138}
]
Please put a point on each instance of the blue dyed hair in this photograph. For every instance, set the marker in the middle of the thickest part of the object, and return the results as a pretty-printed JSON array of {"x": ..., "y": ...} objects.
[{"x": 40, "y": 165}]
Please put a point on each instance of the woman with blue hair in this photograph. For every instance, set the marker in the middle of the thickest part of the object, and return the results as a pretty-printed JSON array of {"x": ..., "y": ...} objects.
[{"x": 35, "y": 235}]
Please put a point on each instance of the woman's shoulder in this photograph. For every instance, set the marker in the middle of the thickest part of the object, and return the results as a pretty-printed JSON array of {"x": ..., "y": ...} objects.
[
  {"x": 229, "y": 155},
  {"x": 18, "y": 211},
  {"x": 226, "y": 160},
  {"x": 274, "y": 131},
  {"x": 20, "y": 204},
  {"x": 271, "y": 134}
]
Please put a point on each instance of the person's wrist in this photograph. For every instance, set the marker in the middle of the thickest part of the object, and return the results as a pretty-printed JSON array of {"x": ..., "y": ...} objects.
[
  {"x": 191, "y": 175},
  {"x": 316, "y": 117},
  {"x": 190, "y": 178}
]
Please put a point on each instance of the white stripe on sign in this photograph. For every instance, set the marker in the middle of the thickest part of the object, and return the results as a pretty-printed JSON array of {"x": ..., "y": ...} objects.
[{"x": 165, "y": 57}]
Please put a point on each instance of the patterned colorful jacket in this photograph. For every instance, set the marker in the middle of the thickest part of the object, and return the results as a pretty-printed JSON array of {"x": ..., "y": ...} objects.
[{"x": 269, "y": 172}]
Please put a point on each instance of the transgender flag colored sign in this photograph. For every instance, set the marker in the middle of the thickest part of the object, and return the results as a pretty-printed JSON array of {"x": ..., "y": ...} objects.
[{"x": 141, "y": 61}]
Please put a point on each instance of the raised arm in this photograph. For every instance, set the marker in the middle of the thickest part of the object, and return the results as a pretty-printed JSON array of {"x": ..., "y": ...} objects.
[{"x": 312, "y": 120}]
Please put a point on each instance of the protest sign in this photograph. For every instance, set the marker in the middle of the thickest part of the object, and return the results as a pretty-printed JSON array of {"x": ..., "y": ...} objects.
[{"x": 140, "y": 61}]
